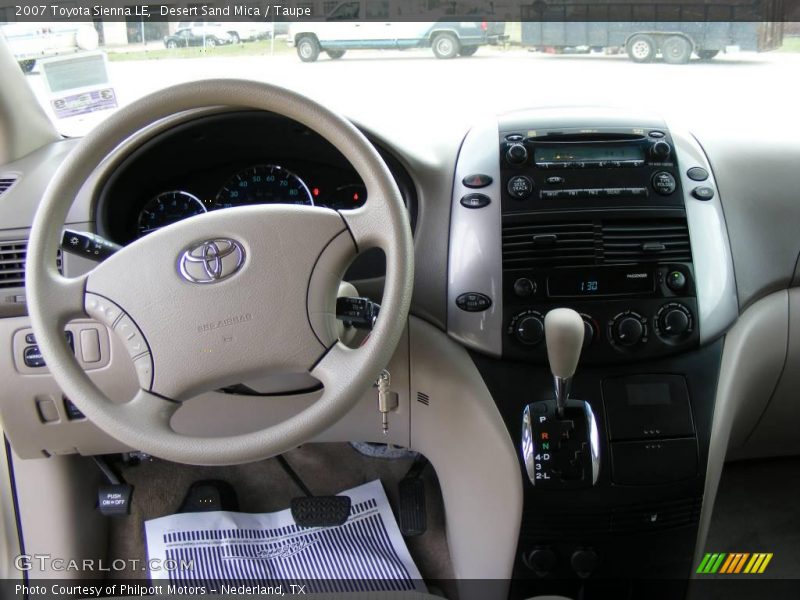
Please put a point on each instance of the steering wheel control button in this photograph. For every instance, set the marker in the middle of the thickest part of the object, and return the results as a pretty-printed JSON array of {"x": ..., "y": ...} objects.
[
  {"x": 103, "y": 310},
  {"x": 703, "y": 192},
  {"x": 520, "y": 187},
  {"x": 130, "y": 336},
  {"x": 475, "y": 201},
  {"x": 664, "y": 183},
  {"x": 477, "y": 181},
  {"x": 524, "y": 287},
  {"x": 697, "y": 174},
  {"x": 676, "y": 281},
  {"x": 144, "y": 370},
  {"x": 32, "y": 357},
  {"x": 211, "y": 261},
  {"x": 473, "y": 302},
  {"x": 90, "y": 345}
]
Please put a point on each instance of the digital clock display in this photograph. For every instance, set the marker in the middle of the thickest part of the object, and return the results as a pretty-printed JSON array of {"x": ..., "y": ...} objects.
[
  {"x": 600, "y": 281},
  {"x": 557, "y": 153}
]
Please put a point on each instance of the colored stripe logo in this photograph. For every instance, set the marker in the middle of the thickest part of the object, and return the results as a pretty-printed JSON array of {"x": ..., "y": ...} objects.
[{"x": 734, "y": 563}]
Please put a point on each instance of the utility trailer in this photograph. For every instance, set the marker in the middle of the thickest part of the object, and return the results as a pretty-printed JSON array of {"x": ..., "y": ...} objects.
[{"x": 672, "y": 29}]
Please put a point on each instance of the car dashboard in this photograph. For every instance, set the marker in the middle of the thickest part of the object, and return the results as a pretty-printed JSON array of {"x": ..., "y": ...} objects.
[{"x": 650, "y": 236}]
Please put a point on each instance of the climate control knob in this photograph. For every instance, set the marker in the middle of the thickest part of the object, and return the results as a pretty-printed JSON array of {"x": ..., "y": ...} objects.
[
  {"x": 628, "y": 329},
  {"x": 529, "y": 328},
  {"x": 674, "y": 320},
  {"x": 517, "y": 154}
]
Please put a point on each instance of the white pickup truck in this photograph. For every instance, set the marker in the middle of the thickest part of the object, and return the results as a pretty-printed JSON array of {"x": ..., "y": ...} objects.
[{"x": 358, "y": 24}]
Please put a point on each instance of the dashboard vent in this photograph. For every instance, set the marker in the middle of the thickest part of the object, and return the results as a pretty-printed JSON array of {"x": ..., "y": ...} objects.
[
  {"x": 6, "y": 181},
  {"x": 646, "y": 241},
  {"x": 550, "y": 244},
  {"x": 12, "y": 263},
  {"x": 595, "y": 242}
]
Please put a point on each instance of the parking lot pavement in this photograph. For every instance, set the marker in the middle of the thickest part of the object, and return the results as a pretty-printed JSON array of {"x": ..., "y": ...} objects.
[{"x": 412, "y": 84}]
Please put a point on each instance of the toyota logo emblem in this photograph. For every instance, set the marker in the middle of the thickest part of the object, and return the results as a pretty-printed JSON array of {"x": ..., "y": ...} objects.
[{"x": 211, "y": 261}]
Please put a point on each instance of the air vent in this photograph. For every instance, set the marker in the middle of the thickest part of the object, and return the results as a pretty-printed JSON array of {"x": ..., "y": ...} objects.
[
  {"x": 12, "y": 263},
  {"x": 665, "y": 240},
  {"x": 595, "y": 242},
  {"x": 548, "y": 244},
  {"x": 6, "y": 181}
]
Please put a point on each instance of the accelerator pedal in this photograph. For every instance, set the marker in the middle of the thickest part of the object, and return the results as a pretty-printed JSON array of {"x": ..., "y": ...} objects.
[{"x": 413, "y": 517}]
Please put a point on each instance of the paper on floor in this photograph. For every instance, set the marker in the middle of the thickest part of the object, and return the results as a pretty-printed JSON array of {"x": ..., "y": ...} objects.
[{"x": 219, "y": 549}]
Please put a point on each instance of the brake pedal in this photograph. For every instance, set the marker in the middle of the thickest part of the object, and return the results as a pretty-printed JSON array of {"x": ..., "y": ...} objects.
[
  {"x": 315, "y": 511},
  {"x": 413, "y": 516},
  {"x": 320, "y": 511}
]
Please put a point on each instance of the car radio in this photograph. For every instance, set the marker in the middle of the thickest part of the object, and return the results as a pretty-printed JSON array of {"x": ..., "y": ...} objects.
[{"x": 609, "y": 166}]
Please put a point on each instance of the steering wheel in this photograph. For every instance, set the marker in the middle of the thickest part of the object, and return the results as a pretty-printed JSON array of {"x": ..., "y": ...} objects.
[{"x": 227, "y": 295}]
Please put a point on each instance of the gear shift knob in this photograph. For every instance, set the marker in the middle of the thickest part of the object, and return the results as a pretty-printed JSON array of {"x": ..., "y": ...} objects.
[{"x": 563, "y": 330}]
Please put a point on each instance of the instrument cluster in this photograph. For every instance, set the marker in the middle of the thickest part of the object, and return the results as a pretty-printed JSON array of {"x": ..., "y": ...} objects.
[{"x": 264, "y": 183}]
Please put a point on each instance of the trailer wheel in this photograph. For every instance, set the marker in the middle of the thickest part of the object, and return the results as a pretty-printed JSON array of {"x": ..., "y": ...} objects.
[
  {"x": 676, "y": 50},
  {"x": 707, "y": 54},
  {"x": 308, "y": 48},
  {"x": 641, "y": 48},
  {"x": 445, "y": 45}
]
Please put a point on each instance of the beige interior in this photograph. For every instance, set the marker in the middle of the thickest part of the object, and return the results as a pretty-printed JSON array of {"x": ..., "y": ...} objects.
[{"x": 460, "y": 429}]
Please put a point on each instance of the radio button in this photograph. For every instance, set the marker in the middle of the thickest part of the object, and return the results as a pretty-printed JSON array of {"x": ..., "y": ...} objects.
[
  {"x": 551, "y": 194},
  {"x": 555, "y": 180},
  {"x": 517, "y": 154},
  {"x": 524, "y": 287},
  {"x": 661, "y": 150},
  {"x": 676, "y": 281},
  {"x": 473, "y": 302},
  {"x": 520, "y": 187},
  {"x": 475, "y": 201},
  {"x": 476, "y": 181},
  {"x": 656, "y": 134},
  {"x": 664, "y": 183},
  {"x": 697, "y": 174},
  {"x": 703, "y": 192}
]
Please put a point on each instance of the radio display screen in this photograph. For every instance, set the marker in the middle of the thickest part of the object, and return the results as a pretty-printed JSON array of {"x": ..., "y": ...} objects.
[
  {"x": 600, "y": 281},
  {"x": 556, "y": 153}
]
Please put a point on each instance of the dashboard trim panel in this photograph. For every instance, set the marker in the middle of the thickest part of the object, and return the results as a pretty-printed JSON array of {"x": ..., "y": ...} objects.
[{"x": 475, "y": 258}]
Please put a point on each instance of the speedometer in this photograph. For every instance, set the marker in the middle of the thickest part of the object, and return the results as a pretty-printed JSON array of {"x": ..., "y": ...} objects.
[
  {"x": 168, "y": 208},
  {"x": 263, "y": 184}
]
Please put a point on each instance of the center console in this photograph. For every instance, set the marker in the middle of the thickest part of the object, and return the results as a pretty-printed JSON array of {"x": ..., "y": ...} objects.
[{"x": 610, "y": 222}]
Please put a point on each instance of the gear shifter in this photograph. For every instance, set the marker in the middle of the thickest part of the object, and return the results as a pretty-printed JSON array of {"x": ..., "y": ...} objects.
[
  {"x": 560, "y": 442},
  {"x": 563, "y": 330}
]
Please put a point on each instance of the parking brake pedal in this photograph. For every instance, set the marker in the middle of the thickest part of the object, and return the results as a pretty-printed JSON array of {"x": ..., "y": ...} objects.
[
  {"x": 114, "y": 498},
  {"x": 413, "y": 517},
  {"x": 316, "y": 511}
]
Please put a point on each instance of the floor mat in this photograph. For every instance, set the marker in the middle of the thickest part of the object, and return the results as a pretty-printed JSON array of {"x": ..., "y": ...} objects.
[
  {"x": 264, "y": 487},
  {"x": 222, "y": 549}
]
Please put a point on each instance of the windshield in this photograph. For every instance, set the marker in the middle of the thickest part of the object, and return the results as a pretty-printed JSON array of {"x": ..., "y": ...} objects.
[{"x": 366, "y": 59}]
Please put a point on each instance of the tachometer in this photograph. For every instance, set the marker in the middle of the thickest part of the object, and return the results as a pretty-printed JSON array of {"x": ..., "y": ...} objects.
[
  {"x": 263, "y": 184},
  {"x": 168, "y": 208}
]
